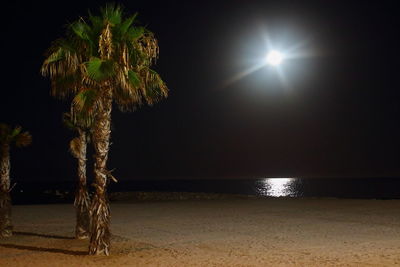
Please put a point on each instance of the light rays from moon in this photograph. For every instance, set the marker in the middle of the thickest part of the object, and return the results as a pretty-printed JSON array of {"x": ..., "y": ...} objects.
[{"x": 277, "y": 58}]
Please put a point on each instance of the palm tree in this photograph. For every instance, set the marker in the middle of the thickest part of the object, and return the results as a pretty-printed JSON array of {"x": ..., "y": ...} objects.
[
  {"x": 78, "y": 147},
  {"x": 104, "y": 59},
  {"x": 8, "y": 136}
]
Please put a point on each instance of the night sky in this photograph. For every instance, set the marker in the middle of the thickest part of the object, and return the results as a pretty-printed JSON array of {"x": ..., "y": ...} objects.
[{"x": 340, "y": 116}]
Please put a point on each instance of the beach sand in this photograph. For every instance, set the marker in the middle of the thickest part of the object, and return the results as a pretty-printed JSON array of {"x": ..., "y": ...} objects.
[{"x": 221, "y": 232}]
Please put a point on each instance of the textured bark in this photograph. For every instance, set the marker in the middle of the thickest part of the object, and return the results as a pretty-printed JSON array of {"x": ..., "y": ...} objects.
[
  {"x": 5, "y": 199},
  {"x": 82, "y": 200},
  {"x": 100, "y": 209}
]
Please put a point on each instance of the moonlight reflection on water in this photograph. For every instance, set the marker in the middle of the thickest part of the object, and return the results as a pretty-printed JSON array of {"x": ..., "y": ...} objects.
[{"x": 277, "y": 187}]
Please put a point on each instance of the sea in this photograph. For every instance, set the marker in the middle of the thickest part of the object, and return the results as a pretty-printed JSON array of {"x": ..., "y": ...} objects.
[{"x": 273, "y": 187}]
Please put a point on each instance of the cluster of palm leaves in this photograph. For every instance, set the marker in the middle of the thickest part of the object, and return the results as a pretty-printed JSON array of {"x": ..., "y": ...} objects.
[{"x": 102, "y": 59}]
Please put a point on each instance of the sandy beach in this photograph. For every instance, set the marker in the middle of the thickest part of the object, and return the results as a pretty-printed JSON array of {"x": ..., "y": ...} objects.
[{"x": 221, "y": 232}]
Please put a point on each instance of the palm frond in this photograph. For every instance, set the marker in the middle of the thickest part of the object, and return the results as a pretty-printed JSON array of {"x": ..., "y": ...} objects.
[
  {"x": 99, "y": 69},
  {"x": 134, "y": 33},
  {"x": 84, "y": 106},
  {"x": 55, "y": 56},
  {"x": 81, "y": 29},
  {"x": 97, "y": 25},
  {"x": 155, "y": 88},
  {"x": 68, "y": 122},
  {"x": 126, "y": 24},
  {"x": 134, "y": 79},
  {"x": 75, "y": 147},
  {"x": 149, "y": 46},
  {"x": 9, "y": 135},
  {"x": 62, "y": 66},
  {"x": 23, "y": 139},
  {"x": 112, "y": 13},
  {"x": 127, "y": 100},
  {"x": 16, "y": 131},
  {"x": 64, "y": 86}
]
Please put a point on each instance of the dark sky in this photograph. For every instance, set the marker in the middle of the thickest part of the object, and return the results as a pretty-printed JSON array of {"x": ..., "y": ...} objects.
[{"x": 339, "y": 118}]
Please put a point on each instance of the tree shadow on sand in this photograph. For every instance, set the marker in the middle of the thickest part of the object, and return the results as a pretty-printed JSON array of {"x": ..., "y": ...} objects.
[
  {"x": 42, "y": 235},
  {"x": 43, "y": 249},
  {"x": 40, "y": 249}
]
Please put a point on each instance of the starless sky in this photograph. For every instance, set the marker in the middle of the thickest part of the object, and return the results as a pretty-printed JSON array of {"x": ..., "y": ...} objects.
[{"x": 340, "y": 116}]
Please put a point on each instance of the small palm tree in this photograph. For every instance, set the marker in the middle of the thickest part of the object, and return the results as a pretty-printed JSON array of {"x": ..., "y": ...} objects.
[
  {"x": 104, "y": 59},
  {"x": 78, "y": 148},
  {"x": 8, "y": 136}
]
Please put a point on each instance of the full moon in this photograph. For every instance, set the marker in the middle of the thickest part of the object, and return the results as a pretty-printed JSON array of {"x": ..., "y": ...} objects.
[{"x": 274, "y": 58}]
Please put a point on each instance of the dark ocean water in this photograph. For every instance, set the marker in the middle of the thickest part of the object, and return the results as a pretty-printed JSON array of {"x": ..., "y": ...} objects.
[{"x": 368, "y": 188}]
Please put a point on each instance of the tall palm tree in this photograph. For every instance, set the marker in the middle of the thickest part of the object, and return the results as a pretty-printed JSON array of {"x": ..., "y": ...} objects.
[
  {"x": 104, "y": 59},
  {"x": 78, "y": 148},
  {"x": 8, "y": 136}
]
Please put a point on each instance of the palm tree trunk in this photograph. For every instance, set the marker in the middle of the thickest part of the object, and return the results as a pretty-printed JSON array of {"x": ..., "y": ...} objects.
[
  {"x": 100, "y": 209},
  {"x": 5, "y": 199},
  {"x": 82, "y": 200}
]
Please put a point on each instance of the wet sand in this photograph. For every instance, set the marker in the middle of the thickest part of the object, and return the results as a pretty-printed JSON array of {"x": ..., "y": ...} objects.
[{"x": 222, "y": 232}]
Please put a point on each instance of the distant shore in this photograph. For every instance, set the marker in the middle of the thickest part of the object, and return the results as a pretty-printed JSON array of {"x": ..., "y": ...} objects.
[
  {"x": 63, "y": 197},
  {"x": 223, "y": 231},
  {"x": 170, "y": 196},
  {"x": 360, "y": 188}
]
